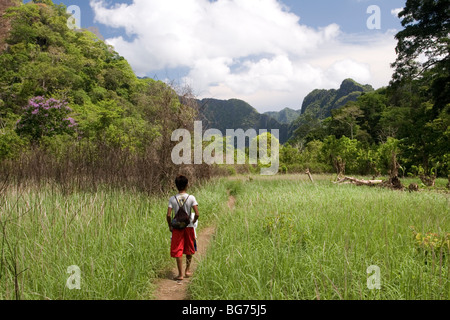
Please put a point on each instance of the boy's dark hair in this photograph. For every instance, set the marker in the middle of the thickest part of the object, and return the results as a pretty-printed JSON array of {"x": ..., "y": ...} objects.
[{"x": 181, "y": 183}]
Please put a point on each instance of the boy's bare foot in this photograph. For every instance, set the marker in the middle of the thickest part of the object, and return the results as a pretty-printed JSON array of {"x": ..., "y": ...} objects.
[
  {"x": 188, "y": 274},
  {"x": 179, "y": 278}
]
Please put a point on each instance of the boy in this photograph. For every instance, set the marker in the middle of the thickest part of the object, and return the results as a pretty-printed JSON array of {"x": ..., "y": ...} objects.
[{"x": 183, "y": 241}]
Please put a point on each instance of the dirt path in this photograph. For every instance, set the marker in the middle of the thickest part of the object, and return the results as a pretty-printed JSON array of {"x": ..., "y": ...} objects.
[{"x": 167, "y": 288}]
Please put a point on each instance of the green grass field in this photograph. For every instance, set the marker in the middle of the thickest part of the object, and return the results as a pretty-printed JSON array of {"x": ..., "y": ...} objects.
[
  {"x": 290, "y": 239},
  {"x": 286, "y": 239},
  {"x": 119, "y": 240}
]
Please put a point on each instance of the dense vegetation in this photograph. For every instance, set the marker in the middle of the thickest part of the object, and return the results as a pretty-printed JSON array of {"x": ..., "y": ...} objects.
[
  {"x": 285, "y": 116},
  {"x": 320, "y": 103},
  {"x": 410, "y": 117},
  {"x": 364, "y": 133},
  {"x": 115, "y": 123}
]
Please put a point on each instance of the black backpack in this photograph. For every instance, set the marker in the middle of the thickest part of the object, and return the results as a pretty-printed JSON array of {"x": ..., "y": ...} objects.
[{"x": 182, "y": 219}]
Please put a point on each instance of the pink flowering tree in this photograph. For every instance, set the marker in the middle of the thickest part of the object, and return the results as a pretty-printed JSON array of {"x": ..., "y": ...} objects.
[{"x": 45, "y": 117}]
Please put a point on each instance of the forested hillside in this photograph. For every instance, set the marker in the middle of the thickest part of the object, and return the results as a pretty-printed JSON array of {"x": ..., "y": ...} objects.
[
  {"x": 65, "y": 92},
  {"x": 285, "y": 116},
  {"x": 238, "y": 114},
  {"x": 5, "y": 25},
  {"x": 320, "y": 103}
]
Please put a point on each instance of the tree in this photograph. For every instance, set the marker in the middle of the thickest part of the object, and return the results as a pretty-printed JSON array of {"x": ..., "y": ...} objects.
[
  {"x": 422, "y": 75},
  {"x": 348, "y": 116},
  {"x": 309, "y": 128},
  {"x": 384, "y": 155},
  {"x": 343, "y": 154},
  {"x": 423, "y": 49},
  {"x": 427, "y": 26},
  {"x": 373, "y": 105}
]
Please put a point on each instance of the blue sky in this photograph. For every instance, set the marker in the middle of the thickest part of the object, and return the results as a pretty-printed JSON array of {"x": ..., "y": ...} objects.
[{"x": 270, "y": 53}]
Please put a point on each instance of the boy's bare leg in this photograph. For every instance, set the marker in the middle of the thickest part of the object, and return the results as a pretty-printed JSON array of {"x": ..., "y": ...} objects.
[
  {"x": 188, "y": 272},
  {"x": 180, "y": 268}
]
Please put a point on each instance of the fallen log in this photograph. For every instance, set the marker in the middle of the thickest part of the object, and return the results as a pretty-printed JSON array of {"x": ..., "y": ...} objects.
[
  {"x": 359, "y": 182},
  {"x": 391, "y": 183}
]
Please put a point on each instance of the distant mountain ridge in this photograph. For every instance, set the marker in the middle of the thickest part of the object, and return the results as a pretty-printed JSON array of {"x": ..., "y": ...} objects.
[
  {"x": 238, "y": 114},
  {"x": 285, "y": 116},
  {"x": 320, "y": 103}
]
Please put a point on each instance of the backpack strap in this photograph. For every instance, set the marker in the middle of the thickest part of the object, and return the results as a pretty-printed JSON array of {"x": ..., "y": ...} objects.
[
  {"x": 179, "y": 205},
  {"x": 178, "y": 202}
]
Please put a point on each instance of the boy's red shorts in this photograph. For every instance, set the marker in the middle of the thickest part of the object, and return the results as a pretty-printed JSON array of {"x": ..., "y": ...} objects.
[{"x": 182, "y": 243}]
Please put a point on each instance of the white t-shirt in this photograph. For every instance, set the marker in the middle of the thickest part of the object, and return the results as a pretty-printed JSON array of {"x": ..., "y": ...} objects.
[{"x": 191, "y": 202}]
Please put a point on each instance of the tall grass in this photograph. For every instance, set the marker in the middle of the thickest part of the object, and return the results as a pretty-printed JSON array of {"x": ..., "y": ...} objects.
[
  {"x": 286, "y": 239},
  {"x": 290, "y": 239},
  {"x": 119, "y": 240}
]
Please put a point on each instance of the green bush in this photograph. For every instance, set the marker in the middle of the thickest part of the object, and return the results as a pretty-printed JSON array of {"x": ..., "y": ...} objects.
[{"x": 11, "y": 144}]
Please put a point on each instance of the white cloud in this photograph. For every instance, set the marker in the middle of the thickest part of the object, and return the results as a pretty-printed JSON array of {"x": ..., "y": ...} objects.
[
  {"x": 253, "y": 50},
  {"x": 395, "y": 12}
]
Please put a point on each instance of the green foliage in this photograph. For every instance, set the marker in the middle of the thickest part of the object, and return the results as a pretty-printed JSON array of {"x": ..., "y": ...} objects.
[
  {"x": 384, "y": 155},
  {"x": 11, "y": 144},
  {"x": 431, "y": 244},
  {"x": 408, "y": 113},
  {"x": 45, "y": 58},
  {"x": 289, "y": 155},
  {"x": 426, "y": 30},
  {"x": 268, "y": 142},
  {"x": 109, "y": 123},
  {"x": 58, "y": 146},
  {"x": 342, "y": 151},
  {"x": 112, "y": 107},
  {"x": 314, "y": 159},
  {"x": 345, "y": 120}
]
